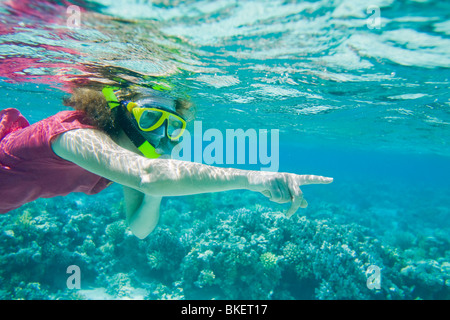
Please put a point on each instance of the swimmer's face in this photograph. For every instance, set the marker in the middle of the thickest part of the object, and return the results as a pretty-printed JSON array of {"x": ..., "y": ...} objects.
[{"x": 158, "y": 137}]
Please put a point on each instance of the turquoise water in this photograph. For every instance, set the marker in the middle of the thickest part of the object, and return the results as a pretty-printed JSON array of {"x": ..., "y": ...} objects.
[{"x": 363, "y": 100}]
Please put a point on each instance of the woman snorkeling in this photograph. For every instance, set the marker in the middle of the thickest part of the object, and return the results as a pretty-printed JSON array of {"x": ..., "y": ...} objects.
[{"x": 123, "y": 137}]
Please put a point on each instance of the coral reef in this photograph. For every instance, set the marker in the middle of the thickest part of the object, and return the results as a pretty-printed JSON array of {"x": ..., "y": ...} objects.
[{"x": 223, "y": 246}]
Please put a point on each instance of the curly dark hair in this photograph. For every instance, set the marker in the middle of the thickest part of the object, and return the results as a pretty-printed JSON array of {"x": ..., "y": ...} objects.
[{"x": 94, "y": 104}]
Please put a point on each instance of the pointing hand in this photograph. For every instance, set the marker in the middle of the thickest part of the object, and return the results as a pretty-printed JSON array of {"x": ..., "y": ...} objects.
[{"x": 285, "y": 187}]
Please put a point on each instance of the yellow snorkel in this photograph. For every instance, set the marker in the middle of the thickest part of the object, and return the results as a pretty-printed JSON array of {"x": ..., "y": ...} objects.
[{"x": 128, "y": 127}]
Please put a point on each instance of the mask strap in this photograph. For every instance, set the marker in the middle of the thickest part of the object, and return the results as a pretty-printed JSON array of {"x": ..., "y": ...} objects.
[{"x": 110, "y": 97}]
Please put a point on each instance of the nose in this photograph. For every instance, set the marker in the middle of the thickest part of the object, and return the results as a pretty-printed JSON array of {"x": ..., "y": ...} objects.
[{"x": 161, "y": 131}]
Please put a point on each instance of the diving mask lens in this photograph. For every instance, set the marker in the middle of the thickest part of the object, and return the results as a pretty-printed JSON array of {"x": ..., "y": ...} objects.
[
  {"x": 175, "y": 127},
  {"x": 149, "y": 118}
]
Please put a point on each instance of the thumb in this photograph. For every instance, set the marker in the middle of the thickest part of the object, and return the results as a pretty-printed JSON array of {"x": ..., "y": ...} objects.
[
  {"x": 296, "y": 204},
  {"x": 304, "y": 204},
  {"x": 267, "y": 193}
]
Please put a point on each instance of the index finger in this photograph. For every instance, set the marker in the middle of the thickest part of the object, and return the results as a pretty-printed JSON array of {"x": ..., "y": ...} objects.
[{"x": 312, "y": 179}]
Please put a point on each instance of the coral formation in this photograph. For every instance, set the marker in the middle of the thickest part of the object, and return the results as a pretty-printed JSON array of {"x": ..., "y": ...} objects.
[
  {"x": 268, "y": 260},
  {"x": 235, "y": 250},
  {"x": 116, "y": 231}
]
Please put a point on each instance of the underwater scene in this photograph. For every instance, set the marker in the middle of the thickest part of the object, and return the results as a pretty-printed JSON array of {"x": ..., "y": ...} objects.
[{"x": 349, "y": 89}]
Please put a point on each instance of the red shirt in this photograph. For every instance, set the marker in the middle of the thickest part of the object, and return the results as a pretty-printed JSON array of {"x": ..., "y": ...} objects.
[{"x": 29, "y": 169}]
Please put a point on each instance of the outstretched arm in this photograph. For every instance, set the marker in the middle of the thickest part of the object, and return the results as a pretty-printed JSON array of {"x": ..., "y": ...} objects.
[{"x": 96, "y": 152}]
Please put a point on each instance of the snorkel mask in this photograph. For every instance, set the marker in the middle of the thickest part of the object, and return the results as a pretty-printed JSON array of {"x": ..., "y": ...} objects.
[{"x": 152, "y": 124}]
